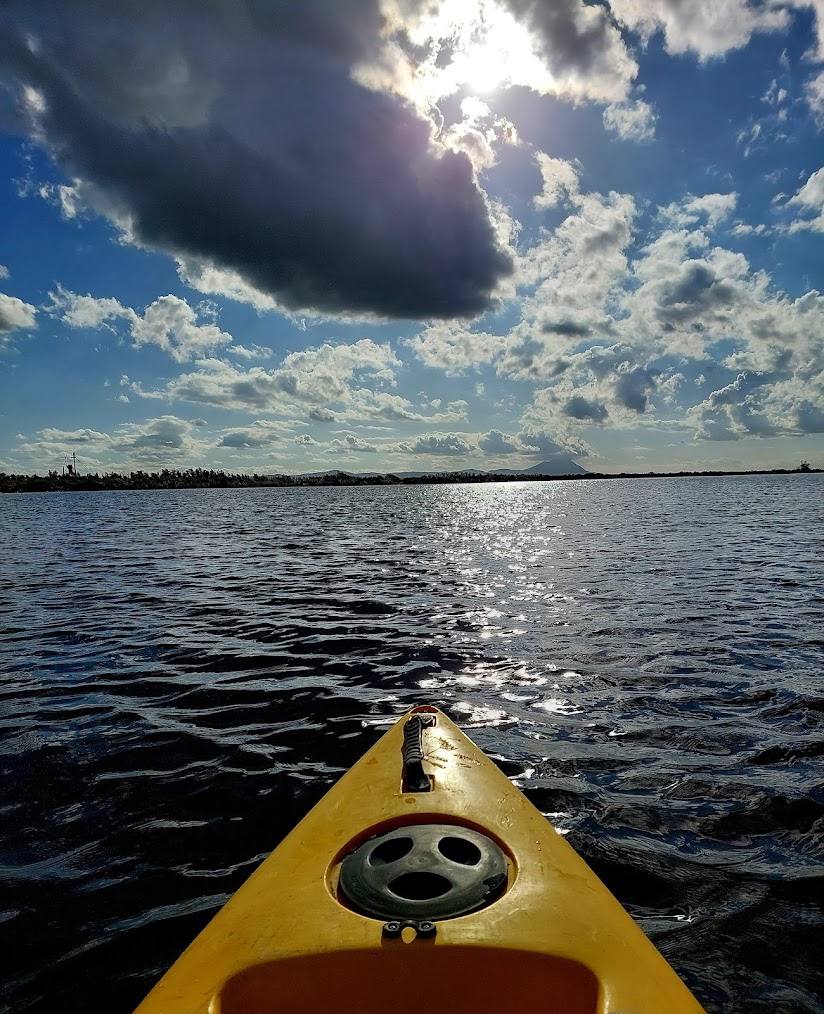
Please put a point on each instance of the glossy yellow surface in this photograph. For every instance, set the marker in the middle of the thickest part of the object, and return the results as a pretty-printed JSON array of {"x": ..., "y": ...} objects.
[{"x": 556, "y": 941}]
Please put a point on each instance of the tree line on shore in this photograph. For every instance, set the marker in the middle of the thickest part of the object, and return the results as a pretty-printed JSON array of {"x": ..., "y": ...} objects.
[{"x": 207, "y": 478}]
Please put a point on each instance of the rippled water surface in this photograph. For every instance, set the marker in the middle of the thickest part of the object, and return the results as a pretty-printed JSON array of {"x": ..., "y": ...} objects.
[{"x": 184, "y": 674}]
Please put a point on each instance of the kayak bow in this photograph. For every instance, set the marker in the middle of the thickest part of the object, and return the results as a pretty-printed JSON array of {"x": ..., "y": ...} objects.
[{"x": 422, "y": 878}]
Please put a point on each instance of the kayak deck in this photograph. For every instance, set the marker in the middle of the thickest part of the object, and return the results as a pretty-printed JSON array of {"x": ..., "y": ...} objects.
[{"x": 552, "y": 938}]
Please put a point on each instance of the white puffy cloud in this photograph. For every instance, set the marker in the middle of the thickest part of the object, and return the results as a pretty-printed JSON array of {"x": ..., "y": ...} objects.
[
  {"x": 256, "y": 436},
  {"x": 560, "y": 180},
  {"x": 352, "y": 444},
  {"x": 497, "y": 443},
  {"x": 581, "y": 48},
  {"x": 169, "y": 322},
  {"x": 575, "y": 274},
  {"x": 438, "y": 445},
  {"x": 455, "y": 349},
  {"x": 703, "y": 27},
  {"x": 814, "y": 93},
  {"x": 15, "y": 315},
  {"x": 163, "y": 441},
  {"x": 333, "y": 382},
  {"x": 810, "y": 198},
  {"x": 689, "y": 211},
  {"x": 631, "y": 121},
  {"x": 762, "y": 404}
]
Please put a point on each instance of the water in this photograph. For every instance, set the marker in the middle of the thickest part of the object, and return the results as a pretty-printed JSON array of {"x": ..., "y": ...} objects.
[{"x": 184, "y": 674}]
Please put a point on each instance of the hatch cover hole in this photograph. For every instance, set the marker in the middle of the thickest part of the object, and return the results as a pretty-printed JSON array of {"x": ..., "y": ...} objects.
[
  {"x": 420, "y": 886},
  {"x": 460, "y": 850},
  {"x": 390, "y": 851}
]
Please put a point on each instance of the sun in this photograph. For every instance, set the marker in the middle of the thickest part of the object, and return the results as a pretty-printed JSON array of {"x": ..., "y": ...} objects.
[
  {"x": 483, "y": 68},
  {"x": 493, "y": 52},
  {"x": 476, "y": 47}
]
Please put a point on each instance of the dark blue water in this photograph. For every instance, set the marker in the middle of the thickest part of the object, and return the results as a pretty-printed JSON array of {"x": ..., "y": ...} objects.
[{"x": 184, "y": 674}]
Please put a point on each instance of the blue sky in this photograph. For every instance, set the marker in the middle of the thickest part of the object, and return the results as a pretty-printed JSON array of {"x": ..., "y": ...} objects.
[{"x": 379, "y": 235}]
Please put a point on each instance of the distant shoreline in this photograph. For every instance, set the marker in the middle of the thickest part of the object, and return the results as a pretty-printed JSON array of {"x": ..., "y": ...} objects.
[{"x": 209, "y": 479}]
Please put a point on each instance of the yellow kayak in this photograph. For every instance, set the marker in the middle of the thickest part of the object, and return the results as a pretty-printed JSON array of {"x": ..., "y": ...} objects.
[{"x": 423, "y": 880}]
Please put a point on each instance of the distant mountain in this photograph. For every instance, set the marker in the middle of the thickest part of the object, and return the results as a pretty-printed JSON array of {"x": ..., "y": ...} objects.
[
  {"x": 445, "y": 471},
  {"x": 560, "y": 465}
]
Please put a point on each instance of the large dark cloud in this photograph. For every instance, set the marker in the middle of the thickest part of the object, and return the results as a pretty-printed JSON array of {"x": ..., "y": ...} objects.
[{"x": 229, "y": 131}]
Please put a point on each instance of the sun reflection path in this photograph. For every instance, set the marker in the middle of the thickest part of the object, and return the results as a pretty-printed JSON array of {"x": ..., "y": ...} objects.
[{"x": 511, "y": 599}]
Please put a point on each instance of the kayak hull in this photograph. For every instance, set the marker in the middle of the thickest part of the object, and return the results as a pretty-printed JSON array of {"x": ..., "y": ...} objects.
[{"x": 554, "y": 940}]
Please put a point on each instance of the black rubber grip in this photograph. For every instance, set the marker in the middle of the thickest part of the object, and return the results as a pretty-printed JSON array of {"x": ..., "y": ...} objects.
[{"x": 415, "y": 778}]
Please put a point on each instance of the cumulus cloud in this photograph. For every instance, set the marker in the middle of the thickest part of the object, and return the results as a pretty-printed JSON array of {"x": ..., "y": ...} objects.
[
  {"x": 15, "y": 315},
  {"x": 703, "y": 27},
  {"x": 575, "y": 274},
  {"x": 437, "y": 445},
  {"x": 713, "y": 208},
  {"x": 579, "y": 407},
  {"x": 352, "y": 444},
  {"x": 495, "y": 442},
  {"x": 169, "y": 322},
  {"x": 189, "y": 129},
  {"x": 631, "y": 121},
  {"x": 814, "y": 93},
  {"x": 163, "y": 441},
  {"x": 560, "y": 180},
  {"x": 249, "y": 437},
  {"x": 581, "y": 47},
  {"x": 810, "y": 199},
  {"x": 454, "y": 349},
  {"x": 314, "y": 377}
]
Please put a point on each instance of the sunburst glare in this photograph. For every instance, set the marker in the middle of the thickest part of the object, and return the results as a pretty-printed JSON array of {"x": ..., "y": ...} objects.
[{"x": 489, "y": 50}]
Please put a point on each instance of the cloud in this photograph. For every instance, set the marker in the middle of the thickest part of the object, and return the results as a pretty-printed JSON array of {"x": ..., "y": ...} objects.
[
  {"x": 575, "y": 273},
  {"x": 714, "y": 208},
  {"x": 158, "y": 442},
  {"x": 579, "y": 407},
  {"x": 234, "y": 138},
  {"x": 810, "y": 198},
  {"x": 631, "y": 121},
  {"x": 455, "y": 349},
  {"x": 248, "y": 438},
  {"x": 332, "y": 382},
  {"x": 352, "y": 444},
  {"x": 169, "y": 322},
  {"x": 322, "y": 415},
  {"x": 560, "y": 180},
  {"x": 580, "y": 46},
  {"x": 703, "y": 27},
  {"x": 814, "y": 93},
  {"x": 4, "y": 271},
  {"x": 15, "y": 315},
  {"x": 438, "y": 445},
  {"x": 496, "y": 442},
  {"x": 632, "y": 387}
]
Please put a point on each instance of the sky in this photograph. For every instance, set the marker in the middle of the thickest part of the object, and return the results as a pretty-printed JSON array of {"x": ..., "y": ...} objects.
[{"x": 385, "y": 235}]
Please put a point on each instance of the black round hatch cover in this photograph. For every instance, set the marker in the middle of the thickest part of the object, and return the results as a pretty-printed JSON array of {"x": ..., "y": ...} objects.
[{"x": 424, "y": 871}]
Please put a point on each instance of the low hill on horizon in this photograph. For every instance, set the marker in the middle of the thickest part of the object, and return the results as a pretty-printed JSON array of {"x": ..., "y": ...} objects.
[{"x": 559, "y": 466}]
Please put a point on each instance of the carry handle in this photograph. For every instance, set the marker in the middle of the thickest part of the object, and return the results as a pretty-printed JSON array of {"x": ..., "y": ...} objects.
[{"x": 415, "y": 779}]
